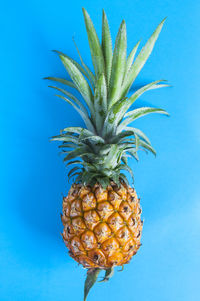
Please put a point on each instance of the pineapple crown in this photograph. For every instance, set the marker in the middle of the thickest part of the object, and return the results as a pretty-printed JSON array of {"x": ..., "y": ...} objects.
[{"x": 107, "y": 141}]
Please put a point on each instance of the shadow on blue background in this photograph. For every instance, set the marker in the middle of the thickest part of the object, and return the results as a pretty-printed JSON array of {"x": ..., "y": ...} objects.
[{"x": 34, "y": 264}]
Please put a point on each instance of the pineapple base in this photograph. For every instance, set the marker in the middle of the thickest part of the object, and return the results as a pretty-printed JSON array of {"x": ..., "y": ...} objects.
[{"x": 102, "y": 227}]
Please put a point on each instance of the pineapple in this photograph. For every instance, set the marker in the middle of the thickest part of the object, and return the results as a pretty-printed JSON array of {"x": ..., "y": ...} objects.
[
  {"x": 102, "y": 227},
  {"x": 101, "y": 213}
]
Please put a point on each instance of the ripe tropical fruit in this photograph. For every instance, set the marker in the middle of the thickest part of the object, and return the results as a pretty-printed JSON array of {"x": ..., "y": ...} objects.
[
  {"x": 101, "y": 213},
  {"x": 102, "y": 227}
]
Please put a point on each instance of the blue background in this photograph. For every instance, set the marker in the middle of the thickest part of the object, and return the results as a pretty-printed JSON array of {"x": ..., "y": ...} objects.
[{"x": 34, "y": 264}]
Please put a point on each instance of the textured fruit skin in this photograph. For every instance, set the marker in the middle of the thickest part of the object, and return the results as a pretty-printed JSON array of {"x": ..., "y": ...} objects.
[{"x": 102, "y": 228}]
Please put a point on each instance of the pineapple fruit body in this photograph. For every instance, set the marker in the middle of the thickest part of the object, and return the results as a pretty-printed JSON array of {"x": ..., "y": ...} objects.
[{"x": 102, "y": 227}]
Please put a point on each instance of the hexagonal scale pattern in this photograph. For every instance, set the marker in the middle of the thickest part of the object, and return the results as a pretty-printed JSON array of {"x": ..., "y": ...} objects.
[{"x": 102, "y": 228}]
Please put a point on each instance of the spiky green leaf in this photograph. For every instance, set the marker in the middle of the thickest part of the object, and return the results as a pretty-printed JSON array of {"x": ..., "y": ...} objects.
[
  {"x": 124, "y": 159},
  {"x": 128, "y": 132},
  {"x": 140, "y": 60},
  {"x": 78, "y": 130},
  {"x": 133, "y": 153},
  {"x": 67, "y": 145},
  {"x": 113, "y": 157},
  {"x": 88, "y": 176},
  {"x": 130, "y": 60},
  {"x": 90, "y": 76},
  {"x": 85, "y": 118},
  {"x": 73, "y": 175},
  {"x": 61, "y": 81},
  {"x": 95, "y": 139},
  {"x": 124, "y": 178},
  {"x": 118, "y": 65},
  {"x": 80, "y": 68},
  {"x": 137, "y": 142},
  {"x": 126, "y": 168},
  {"x": 137, "y": 113},
  {"x": 79, "y": 81},
  {"x": 65, "y": 138},
  {"x": 118, "y": 110},
  {"x": 73, "y": 170},
  {"x": 74, "y": 162},
  {"x": 103, "y": 181},
  {"x": 106, "y": 46},
  {"x": 70, "y": 95},
  {"x": 115, "y": 178},
  {"x": 148, "y": 147},
  {"x": 95, "y": 47},
  {"x": 78, "y": 152},
  {"x": 138, "y": 132},
  {"x": 100, "y": 102}
]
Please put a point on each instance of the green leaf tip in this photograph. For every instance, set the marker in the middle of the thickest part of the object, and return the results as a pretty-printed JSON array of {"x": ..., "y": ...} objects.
[
  {"x": 94, "y": 43},
  {"x": 164, "y": 20},
  {"x": 91, "y": 278},
  {"x": 106, "y": 46}
]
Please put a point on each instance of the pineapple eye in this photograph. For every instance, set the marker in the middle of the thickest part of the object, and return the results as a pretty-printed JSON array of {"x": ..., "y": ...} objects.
[
  {"x": 75, "y": 246},
  {"x": 133, "y": 220},
  {"x": 102, "y": 232},
  {"x": 126, "y": 209},
  {"x": 114, "y": 221},
  {"x": 66, "y": 211},
  {"x": 96, "y": 257},
  {"x": 138, "y": 234},
  {"x": 132, "y": 199},
  {"x": 68, "y": 230}
]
